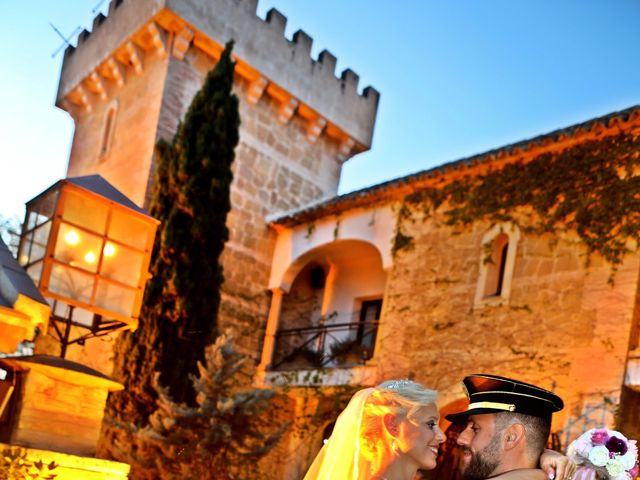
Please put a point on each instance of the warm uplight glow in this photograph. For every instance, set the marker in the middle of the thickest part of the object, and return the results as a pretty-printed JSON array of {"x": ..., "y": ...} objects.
[
  {"x": 109, "y": 250},
  {"x": 24, "y": 259},
  {"x": 90, "y": 257},
  {"x": 72, "y": 237}
]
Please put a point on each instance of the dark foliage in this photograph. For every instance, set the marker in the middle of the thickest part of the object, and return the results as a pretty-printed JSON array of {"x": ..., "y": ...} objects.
[
  {"x": 592, "y": 188},
  {"x": 178, "y": 317},
  {"x": 224, "y": 434}
]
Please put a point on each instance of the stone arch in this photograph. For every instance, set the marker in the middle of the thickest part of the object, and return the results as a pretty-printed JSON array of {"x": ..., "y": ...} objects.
[
  {"x": 371, "y": 228},
  {"x": 330, "y": 320},
  {"x": 329, "y": 252}
]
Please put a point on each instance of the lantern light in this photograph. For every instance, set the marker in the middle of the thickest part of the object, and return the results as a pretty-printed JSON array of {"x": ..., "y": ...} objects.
[
  {"x": 87, "y": 247},
  {"x": 72, "y": 237},
  {"x": 109, "y": 250},
  {"x": 90, "y": 257}
]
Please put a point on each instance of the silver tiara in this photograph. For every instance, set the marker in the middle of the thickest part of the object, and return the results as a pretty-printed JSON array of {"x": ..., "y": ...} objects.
[{"x": 398, "y": 384}]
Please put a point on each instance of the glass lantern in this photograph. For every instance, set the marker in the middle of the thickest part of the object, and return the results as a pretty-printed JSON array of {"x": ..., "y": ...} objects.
[{"x": 87, "y": 247}]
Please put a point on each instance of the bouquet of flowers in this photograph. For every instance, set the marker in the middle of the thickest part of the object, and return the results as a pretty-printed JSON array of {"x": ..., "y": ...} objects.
[{"x": 606, "y": 451}]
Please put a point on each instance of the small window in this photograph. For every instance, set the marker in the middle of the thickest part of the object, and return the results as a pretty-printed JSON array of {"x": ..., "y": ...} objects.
[
  {"x": 495, "y": 261},
  {"x": 107, "y": 131},
  {"x": 368, "y": 326},
  {"x": 497, "y": 264}
]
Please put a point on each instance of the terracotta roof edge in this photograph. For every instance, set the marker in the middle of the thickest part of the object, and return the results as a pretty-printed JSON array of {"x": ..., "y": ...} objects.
[{"x": 299, "y": 215}]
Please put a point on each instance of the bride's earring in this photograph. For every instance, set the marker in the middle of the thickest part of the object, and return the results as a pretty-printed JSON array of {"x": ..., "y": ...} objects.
[{"x": 395, "y": 448}]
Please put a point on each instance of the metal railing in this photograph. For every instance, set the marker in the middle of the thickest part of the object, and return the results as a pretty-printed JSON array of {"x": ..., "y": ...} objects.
[{"x": 324, "y": 346}]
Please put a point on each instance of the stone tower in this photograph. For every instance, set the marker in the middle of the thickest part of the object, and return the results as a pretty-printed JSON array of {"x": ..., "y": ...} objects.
[{"x": 131, "y": 79}]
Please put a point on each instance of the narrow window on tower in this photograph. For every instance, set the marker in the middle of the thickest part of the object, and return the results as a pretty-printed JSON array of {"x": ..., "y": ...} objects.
[{"x": 107, "y": 131}]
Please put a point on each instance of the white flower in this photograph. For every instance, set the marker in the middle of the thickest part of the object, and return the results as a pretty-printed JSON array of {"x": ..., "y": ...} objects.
[
  {"x": 574, "y": 455},
  {"x": 599, "y": 456},
  {"x": 615, "y": 467},
  {"x": 580, "y": 447},
  {"x": 622, "y": 476},
  {"x": 628, "y": 460}
]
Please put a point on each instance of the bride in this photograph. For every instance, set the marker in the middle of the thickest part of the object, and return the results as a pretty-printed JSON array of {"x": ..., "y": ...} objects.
[{"x": 388, "y": 433}]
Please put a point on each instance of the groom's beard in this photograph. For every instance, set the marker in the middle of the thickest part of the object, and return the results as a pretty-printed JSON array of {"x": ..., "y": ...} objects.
[{"x": 484, "y": 462}]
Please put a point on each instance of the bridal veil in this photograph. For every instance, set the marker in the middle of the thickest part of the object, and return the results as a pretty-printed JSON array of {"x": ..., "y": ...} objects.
[{"x": 341, "y": 458}]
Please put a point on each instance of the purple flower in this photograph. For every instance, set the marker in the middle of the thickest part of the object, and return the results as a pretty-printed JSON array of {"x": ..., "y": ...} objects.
[
  {"x": 616, "y": 445},
  {"x": 600, "y": 436}
]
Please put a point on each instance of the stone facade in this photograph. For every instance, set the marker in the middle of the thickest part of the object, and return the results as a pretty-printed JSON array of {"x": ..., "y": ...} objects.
[
  {"x": 560, "y": 324},
  {"x": 564, "y": 326},
  {"x": 140, "y": 63},
  {"x": 560, "y": 320}
]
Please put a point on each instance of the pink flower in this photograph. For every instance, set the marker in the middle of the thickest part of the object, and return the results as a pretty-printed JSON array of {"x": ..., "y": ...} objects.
[
  {"x": 634, "y": 471},
  {"x": 599, "y": 436},
  {"x": 581, "y": 446}
]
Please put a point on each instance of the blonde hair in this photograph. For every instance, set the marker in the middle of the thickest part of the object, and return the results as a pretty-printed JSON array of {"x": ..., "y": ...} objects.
[{"x": 401, "y": 398}]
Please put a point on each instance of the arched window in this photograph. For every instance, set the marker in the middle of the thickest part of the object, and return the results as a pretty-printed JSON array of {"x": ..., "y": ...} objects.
[
  {"x": 107, "y": 131},
  {"x": 495, "y": 261},
  {"x": 497, "y": 264}
]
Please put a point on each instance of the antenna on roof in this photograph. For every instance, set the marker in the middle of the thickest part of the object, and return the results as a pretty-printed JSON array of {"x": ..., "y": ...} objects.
[{"x": 65, "y": 39}]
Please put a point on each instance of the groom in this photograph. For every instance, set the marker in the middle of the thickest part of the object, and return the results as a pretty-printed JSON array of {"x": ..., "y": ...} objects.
[{"x": 508, "y": 423}]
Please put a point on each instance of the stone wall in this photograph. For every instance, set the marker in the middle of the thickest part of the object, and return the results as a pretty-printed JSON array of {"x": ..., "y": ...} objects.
[
  {"x": 127, "y": 163},
  {"x": 564, "y": 327},
  {"x": 276, "y": 169}
]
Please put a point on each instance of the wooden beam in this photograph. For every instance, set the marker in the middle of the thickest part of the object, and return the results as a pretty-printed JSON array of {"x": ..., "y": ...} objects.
[
  {"x": 208, "y": 46},
  {"x": 181, "y": 43},
  {"x": 80, "y": 97},
  {"x": 345, "y": 148},
  {"x": 256, "y": 90},
  {"x": 287, "y": 109},
  {"x": 95, "y": 84},
  {"x": 134, "y": 56},
  {"x": 315, "y": 128},
  {"x": 158, "y": 39},
  {"x": 113, "y": 71}
]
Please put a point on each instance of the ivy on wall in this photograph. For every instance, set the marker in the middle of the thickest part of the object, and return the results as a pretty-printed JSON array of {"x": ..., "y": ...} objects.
[{"x": 592, "y": 188}]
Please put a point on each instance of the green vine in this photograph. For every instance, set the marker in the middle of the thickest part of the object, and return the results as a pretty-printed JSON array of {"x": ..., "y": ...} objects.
[
  {"x": 592, "y": 188},
  {"x": 401, "y": 242},
  {"x": 336, "y": 230},
  {"x": 308, "y": 386},
  {"x": 15, "y": 464},
  {"x": 310, "y": 229}
]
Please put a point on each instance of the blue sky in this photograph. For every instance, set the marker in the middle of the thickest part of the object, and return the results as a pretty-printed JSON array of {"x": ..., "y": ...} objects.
[{"x": 456, "y": 78}]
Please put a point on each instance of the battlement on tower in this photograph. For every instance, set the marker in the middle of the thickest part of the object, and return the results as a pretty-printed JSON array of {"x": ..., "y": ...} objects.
[{"x": 266, "y": 58}]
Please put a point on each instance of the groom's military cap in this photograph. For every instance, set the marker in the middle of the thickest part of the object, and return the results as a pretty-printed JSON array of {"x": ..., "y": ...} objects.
[{"x": 493, "y": 394}]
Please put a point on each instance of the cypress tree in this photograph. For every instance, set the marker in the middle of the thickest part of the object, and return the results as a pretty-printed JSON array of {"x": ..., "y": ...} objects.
[{"x": 178, "y": 317}]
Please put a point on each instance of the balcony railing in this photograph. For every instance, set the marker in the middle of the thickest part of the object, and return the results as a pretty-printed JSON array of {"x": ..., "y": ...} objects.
[{"x": 325, "y": 346}]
